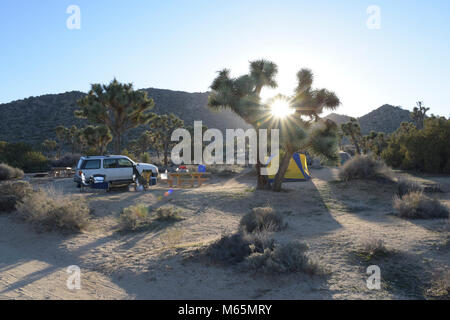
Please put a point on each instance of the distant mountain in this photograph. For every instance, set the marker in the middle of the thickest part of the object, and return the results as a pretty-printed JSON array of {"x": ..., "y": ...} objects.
[
  {"x": 338, "y": 118},
  {"x": 386, "y": 118},
  {"x": 34, "y": 119}
]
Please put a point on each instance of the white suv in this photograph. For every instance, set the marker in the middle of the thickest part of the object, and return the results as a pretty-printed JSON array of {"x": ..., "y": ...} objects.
[{"x": 116, "y": 169}]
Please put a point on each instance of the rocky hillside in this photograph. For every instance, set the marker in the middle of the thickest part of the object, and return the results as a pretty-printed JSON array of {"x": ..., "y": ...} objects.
[
  {"x": 386, "y": 119},
  {"x": 34, "y": 119}
]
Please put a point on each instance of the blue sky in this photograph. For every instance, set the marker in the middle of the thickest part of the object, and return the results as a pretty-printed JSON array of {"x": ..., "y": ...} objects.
[{"x": 179, "y": 45}]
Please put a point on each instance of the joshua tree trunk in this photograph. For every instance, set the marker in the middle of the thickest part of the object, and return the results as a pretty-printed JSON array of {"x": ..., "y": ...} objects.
[
  {"x": 165, "y": 154},
  {"x": 117, "y": 143},
  {"x": 263, "y": 181},
  {"x": 355, "y": 142},
  {"x": 282, "y": 171}
]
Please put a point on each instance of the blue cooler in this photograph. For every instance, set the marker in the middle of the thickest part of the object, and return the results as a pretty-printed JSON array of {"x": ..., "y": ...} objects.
[
  {"x": 153, "y": 181},
  {"x": 201, "y": 168}
]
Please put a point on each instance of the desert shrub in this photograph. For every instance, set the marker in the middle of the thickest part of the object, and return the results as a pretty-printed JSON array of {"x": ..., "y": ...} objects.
[
  {"x": 284, "y": 258},
  {"x": 167, "y": 214},
  {"x": 262, "y": 219},
  {"x": 373, "y": 248},
  {"x": 134, "y": 217},
  {"x": 51, "y": 210},
  {"x": 7, "y": 172},
  {"x": 406, "y": 186},
  {"x": 235, "y": 248},
  {"x": 139, "y": 216},
  {"x": 11, "y": 192},
  {"x": 416, "y": 205},
  {"x": 363, "y": 167},
  {"x": 68, "y": 160}
]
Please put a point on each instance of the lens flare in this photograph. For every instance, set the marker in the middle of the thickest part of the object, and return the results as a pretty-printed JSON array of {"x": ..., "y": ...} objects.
[{"x": 281, "y": 109}]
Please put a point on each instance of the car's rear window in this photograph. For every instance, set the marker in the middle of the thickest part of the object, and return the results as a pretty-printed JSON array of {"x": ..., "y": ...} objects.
[{"x": 90, "y": 164}]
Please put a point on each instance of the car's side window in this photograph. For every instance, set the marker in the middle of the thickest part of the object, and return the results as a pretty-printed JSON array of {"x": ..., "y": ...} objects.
[
  {"x": 91, "y": 164},
  {"x": 124, "y": 163},
  {"x": 109, "y": 163}
]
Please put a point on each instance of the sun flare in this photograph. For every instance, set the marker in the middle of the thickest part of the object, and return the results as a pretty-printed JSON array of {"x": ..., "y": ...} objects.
[{"x": 281, "y": 109}]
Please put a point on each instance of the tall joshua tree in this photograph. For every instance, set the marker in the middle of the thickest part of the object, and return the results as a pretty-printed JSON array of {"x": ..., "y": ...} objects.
[
  {"x": 352, "y": 130},
  {"x": 418, "y": 115},
  {"x": 117, "y": 106},
  {"x": 316, "y": 136},
  {"x": 242, "y": 96},
  {"x": 162, "y": 128}
]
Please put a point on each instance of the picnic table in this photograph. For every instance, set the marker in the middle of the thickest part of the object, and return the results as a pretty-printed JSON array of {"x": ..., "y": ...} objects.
[
  {"x": 61, "y": 172},
  {"x": 189, "y": 177}
]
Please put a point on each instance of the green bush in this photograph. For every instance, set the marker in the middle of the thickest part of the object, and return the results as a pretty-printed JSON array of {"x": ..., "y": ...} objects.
[
  {"x": 21, "y": 155},
  {"x": 34, "y": 161},
  {"x": 425, "y": 150},
  {"x": 7, "y": 172},
  {"x": 416, "y": 205}
]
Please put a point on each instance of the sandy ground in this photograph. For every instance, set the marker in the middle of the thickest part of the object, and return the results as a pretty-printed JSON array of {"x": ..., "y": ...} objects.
[{"x": 333, "y": 218}]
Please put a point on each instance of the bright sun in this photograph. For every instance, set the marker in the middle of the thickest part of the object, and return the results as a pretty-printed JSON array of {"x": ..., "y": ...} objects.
[{"x": 281, "y": 109}]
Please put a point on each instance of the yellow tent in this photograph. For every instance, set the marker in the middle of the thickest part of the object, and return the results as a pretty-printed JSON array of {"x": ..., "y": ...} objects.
[{"x": 297, "y": 170}]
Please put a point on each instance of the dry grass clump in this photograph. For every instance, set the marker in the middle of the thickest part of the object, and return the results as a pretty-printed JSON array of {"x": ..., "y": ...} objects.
[
  {"x": 262, "y": 219},
  {"x": 406, "y": 186},
  {"x": 235, "y": 248},
  {"x": 284, "y": 258},
  {"x": 416, "y": 205},
  {"x": 49, "y": 210},
  {"x": 134, "y": 217},
  {"x": 7, "y": 172},
  {"x": 440, "y": 286},
  {"x": 364, "y": 167},
  {"x": 139, "y": 216},
  {"x": 373, "y": 248},
  {"x": 11, "y": 192},
  {"x": 167, "y": 214}
]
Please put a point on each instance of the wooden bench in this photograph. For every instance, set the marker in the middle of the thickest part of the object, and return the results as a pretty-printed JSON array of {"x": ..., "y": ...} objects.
[{"x": 189, "y": 177}]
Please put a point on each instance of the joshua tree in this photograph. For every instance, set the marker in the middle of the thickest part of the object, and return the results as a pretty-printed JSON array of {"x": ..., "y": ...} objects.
[
  {"x": 418, "y": 115},
  {"x": 61, "y": 138},
  {"x": 97, "y": 137},
  {"x": 353, "y": 131},
  {"x": 316, "y": 136},
  {"x": 117, "y": 106},
  {"x": 242, "y": 96},
  {"x": 162, "y": 128},
  {"x": 49, "y": 146}
]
